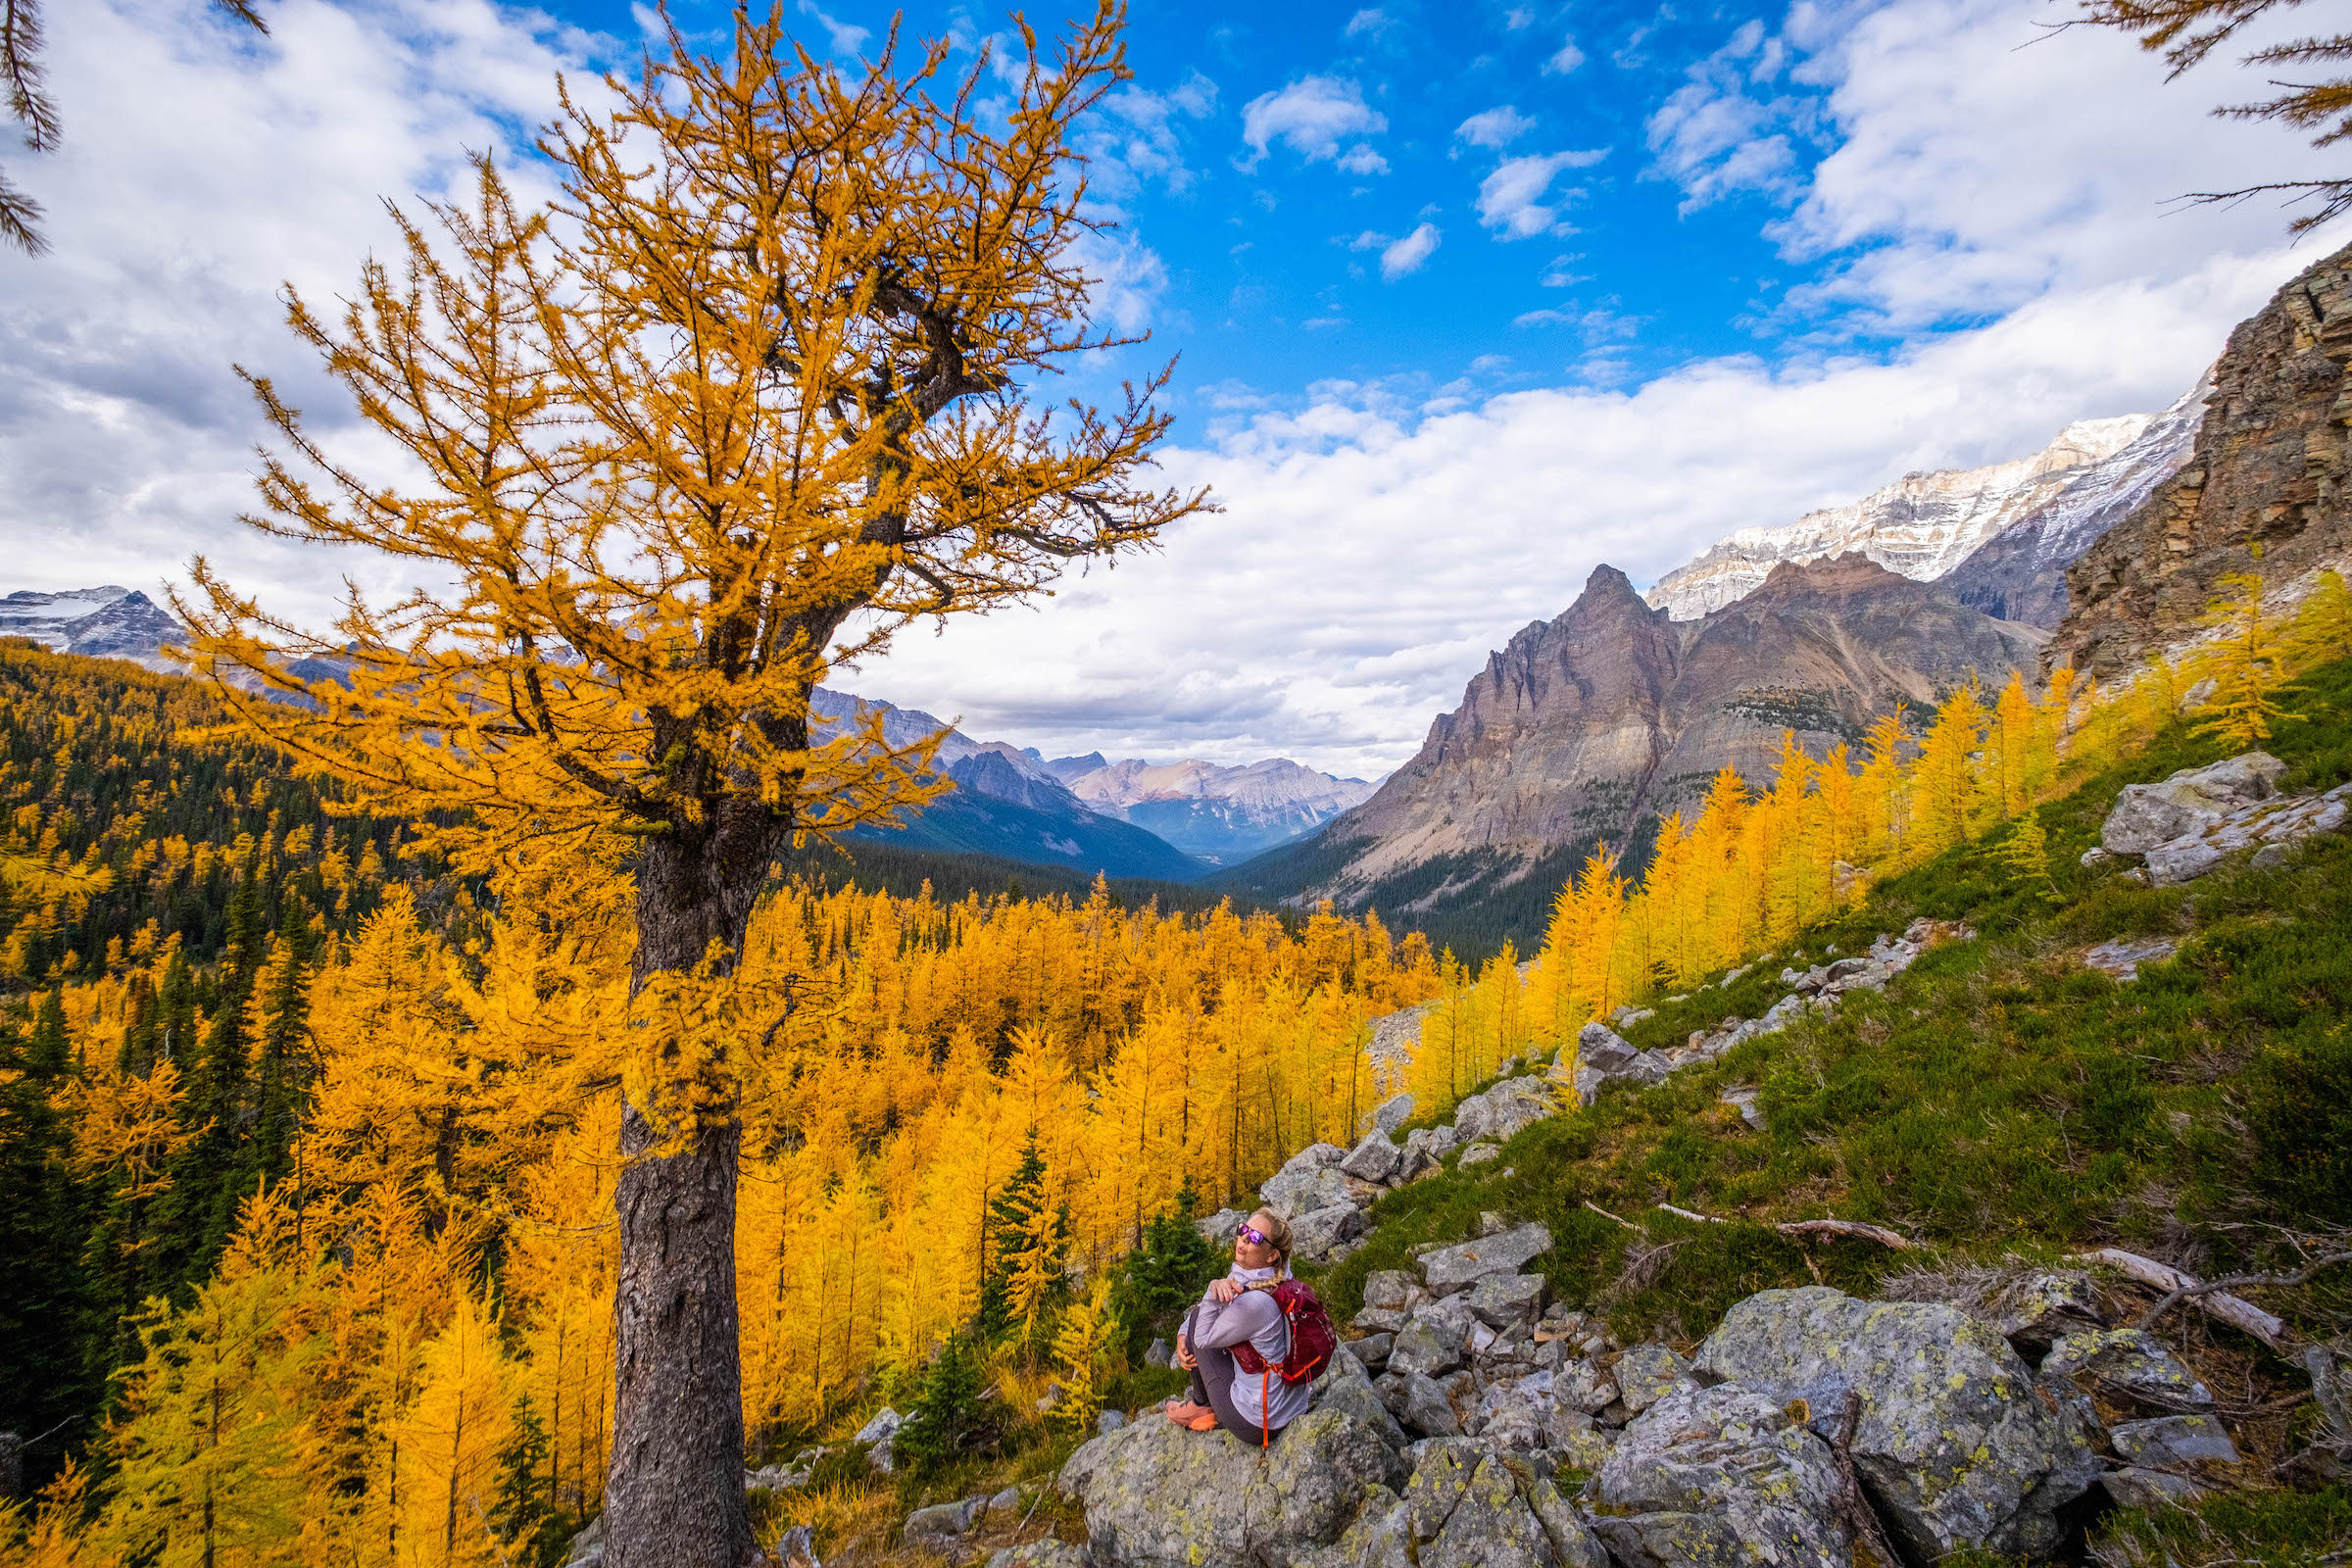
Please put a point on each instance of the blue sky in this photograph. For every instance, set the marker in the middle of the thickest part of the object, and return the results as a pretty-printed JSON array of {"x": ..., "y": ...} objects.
[{"x": 1469, "y": 300}]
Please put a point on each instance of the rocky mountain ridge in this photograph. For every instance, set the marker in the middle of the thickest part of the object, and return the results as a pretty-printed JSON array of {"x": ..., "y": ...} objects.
[
  {"x": 109, "y": 621},
  {"x": 2019, "y": 524},
  {"x": 1585, "y": 727},
  {"x": 2266, "y": 466}
]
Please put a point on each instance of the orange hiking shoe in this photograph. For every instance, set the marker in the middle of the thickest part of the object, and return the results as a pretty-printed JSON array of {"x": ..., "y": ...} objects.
[{"x": 1185, "y": 1413}]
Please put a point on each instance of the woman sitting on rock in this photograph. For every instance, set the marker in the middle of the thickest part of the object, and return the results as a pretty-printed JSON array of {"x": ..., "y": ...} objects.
[{"x": 1239, "y": 1309}]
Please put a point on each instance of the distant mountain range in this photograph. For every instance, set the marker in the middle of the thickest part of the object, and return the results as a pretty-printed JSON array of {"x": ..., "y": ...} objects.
[
  {"x": 105, "y": 622},
  {"x": 2001, "y": 536},
  {"x": 1170, "y": 820}
]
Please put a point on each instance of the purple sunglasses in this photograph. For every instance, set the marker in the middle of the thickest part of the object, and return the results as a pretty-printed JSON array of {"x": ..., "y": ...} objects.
[{"x": 1250, "y": 1236}]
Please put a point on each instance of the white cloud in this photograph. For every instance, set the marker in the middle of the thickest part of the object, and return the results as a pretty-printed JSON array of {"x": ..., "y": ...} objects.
[
  {"x": 1564, "y": 59},
  {"x": 1406, "y": 255},
  {"x": 1313, "y": 115},
  {"x": 1343, "y": 618},
  {"x": 1714, "y": 136},
  {"x": 1498, "y": 126},
  {"x": 1512, "y": 198},
  {"x": 204, "y": 168},
  {"x": 848, "y": 38},
  {"x": 1371, "y": 21},
  {"x": 1362, "y": 160},
  {"x": 1135, "y": 137}
]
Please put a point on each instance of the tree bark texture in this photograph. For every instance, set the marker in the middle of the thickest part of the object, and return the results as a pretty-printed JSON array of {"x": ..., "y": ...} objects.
[{"x": 675, "y": 1495}]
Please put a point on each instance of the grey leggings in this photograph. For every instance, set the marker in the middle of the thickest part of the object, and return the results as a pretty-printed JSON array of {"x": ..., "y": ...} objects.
[{"x": 1212, "y": 1386}]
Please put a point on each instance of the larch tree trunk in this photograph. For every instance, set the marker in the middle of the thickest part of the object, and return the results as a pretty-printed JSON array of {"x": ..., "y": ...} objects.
[{"x": 675, "y": 1495}]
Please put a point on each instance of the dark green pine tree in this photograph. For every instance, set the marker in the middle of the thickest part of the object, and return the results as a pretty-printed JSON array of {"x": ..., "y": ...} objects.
[
  {"x": 46, "y": 1390},
  {"x": 209, "y": 1177},
  {"x": 1015, "y": 1235},
  {"x": 1166, "y": 1273},
  {"x": 282, "y": 1068}
]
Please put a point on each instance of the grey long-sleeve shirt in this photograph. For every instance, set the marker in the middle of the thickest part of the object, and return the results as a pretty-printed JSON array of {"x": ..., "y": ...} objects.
[{"x": 1253, "y": 1317}]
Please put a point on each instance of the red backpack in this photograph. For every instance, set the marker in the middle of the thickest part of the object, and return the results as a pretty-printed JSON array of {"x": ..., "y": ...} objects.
[{"x": 1312, "y": 1339}]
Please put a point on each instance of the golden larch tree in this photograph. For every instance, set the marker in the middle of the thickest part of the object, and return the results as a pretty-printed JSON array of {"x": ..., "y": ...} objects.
[{"x": 750, "y": 396}]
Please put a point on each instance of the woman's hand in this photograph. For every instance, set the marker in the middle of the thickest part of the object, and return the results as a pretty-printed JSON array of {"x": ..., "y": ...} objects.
[
  {"x": 1224, "y": 1291},
  {"x": 1184, "y": 1352}
]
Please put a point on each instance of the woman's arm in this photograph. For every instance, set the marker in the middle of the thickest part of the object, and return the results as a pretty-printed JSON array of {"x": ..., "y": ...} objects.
[{"x": 1221, "y": 1325}]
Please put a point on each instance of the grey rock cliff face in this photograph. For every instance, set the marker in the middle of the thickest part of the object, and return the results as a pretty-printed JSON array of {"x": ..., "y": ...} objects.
[
  {"x": 1587, "y": 723},
  {"x": 2269, "y": 466}
]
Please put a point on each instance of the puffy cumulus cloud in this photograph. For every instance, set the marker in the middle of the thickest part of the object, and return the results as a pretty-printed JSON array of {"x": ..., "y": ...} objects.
[
  {"x": 1514, "y": 199},
  {"x": 1565, "y": 59},
  {"x": 1314, "y": 115},
  {"x": 1404, "y": 256},
  {"x": 204, "y": 168},
  {"x": 1498, "y": 126},
  {"x": 1722, "y": 131},
  {"x": 1362, "y": 160},
  {"x": 1373, "y": 548}
]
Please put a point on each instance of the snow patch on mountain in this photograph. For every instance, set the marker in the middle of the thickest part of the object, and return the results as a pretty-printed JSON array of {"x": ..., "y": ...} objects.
[{"x": 1925, "y": 525}]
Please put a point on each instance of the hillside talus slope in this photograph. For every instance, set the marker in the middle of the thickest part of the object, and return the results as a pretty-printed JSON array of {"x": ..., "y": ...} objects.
[
  {"x": 2268, "y": 466},
  {"x": 1588, "y": 724}
]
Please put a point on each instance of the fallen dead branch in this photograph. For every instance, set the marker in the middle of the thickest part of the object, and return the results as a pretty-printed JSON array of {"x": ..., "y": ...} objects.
[
  {"x": 2216, "y": 1303},
  {"x": 1847, "y": 1227}
]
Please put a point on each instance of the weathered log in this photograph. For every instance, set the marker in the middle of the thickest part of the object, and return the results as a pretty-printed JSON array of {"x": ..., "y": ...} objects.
[
  {"x": 2238, "y": 1313},
  {"x": 1845, "y": 1227}
]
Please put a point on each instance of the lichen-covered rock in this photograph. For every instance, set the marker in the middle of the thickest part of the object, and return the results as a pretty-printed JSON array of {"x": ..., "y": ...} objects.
[
  {"x": 1158, "y": 1496},
  {"x": 2169, "y": 1442},
  {"x": 2131, "y": 1363},
  {"x": 1372, "y": 1350},
  {"x": 1720, "y": 1476},
  {"x": 1573, "y": 1543},
  {"x": 1292, "y": 1193},
  {"x": 1392, "y": 1113},
  {"x": 1648, "y": 1373},
  {"x": 1346, "y": 1386},
  {"x": 1218, "y": 1229},
  {"x": 1435, "y": 1340},
  {"x": 1380, "y": 1538},
  {"x": 1582, "y": 1386},
  {"x": 1490, "y": 1527},
  {"x": 1442, "y": 1472},
  {"x": 2050, "y": 1306},
  {"x": 1456, "y": 1268},
  {"x": 1955, "y": 1444},
  {"x": 1046, "y": 1553},
  {"x": 1391, "y": 1287}
]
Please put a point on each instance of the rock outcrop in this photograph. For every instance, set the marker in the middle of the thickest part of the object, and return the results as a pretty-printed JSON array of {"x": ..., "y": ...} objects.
[
  {"x": 1954, "y": 1440},
  {"x": 2186, "y": 825},
  {"x": 1158, "y": 1496},
  {"x": 2269, "y": 466}
]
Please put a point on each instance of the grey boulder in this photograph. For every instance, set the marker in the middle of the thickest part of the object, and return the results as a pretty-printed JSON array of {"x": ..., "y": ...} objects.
[
  {"x": 2048, "y": 1307},
  {"x": 1418, "y": 1403},
  {"x": 1648, "y": 1373},
  {"x": 1375, "y": 1160},
  {"x": 943, "y": 1522},
  {"x": 2169, "y": 1442},
  {"x": 1435, "y": 1340},
  {"x": 2194, "y": 799},
  {"x": 1456, "y": 1268},
  {"x": 1158, "y": 1496},
  {"x": 2131, "y": 1363},
  {"x": 1953, "y": 1441},
  {"x": 1507, "y": 1301},
  {"x": 1720, "y": 1476},
  {"x": 1315, "y": 1233},
  {"x": 1292, "y": 1193},
  {"x": 1347, "y": 1386},
  {"x": 1392, "y": 1113}
]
